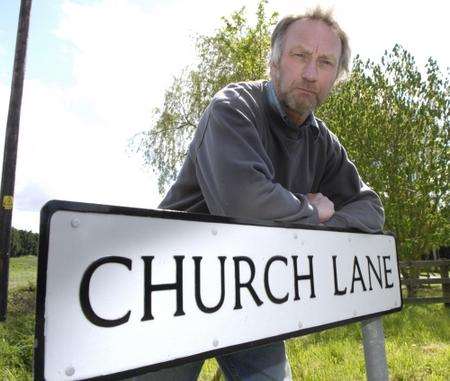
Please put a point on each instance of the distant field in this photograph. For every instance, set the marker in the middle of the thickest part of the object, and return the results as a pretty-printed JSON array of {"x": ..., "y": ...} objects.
[
  {"x": 22, "y": 272},
  {"x": 417, "y": 341}
]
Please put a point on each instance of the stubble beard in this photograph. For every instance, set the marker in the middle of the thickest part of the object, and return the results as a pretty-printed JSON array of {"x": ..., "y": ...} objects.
[
  {"x": 300, "y": 106},
  {"x": 296, "y": 104}
]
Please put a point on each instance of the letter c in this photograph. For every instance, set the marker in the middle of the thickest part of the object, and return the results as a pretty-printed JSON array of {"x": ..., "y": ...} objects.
[
  {"x": 84, "y": 293},
  {"x": 269, "y": 293}
]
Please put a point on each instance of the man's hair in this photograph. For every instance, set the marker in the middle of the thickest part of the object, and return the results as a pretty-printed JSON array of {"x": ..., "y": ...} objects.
[{"x": 318, "y": 14}]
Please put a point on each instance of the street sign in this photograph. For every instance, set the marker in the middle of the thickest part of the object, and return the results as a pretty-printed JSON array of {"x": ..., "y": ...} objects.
[{"x": 124, "y": 291}]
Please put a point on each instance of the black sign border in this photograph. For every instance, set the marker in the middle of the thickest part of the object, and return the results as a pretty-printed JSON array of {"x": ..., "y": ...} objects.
[{"x": 54, "y": 206}]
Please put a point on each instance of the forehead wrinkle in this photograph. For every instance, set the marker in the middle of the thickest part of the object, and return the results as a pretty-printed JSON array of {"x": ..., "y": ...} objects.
[
  {"x": 314, "y": 50},
  {"x": 302, "y": 48},
  {"x": 296, "y": 31}
]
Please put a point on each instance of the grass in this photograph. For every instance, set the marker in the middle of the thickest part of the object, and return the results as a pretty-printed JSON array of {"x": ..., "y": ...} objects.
[
  {"x": 22, "y": 272},
  {"x": 417, "y": 348},
  {"x": 17, "y": 333},
  {"x": 417, "y": 341}
]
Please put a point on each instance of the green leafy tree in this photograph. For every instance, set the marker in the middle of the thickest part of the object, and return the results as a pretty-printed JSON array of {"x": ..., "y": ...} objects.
[
  {"x": 16, "y": 243},
  {"x": 394, "y": 123},
  {"x": 24, "y": 243},
  {"x": 236, "y": 52}
]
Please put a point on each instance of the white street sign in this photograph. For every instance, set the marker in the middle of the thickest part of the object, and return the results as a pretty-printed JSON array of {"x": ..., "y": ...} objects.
[{"x": 123, "y": 291}]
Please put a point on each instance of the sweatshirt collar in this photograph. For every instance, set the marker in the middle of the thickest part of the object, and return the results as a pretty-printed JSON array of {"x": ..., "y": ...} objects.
[{"x": 276, "y": 106}]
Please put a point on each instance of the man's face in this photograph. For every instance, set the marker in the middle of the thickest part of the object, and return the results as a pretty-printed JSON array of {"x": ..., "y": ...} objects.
[{"x": 308, "y": 67}]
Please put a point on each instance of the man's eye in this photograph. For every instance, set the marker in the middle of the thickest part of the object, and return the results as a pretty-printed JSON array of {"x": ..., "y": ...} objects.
[
  {"x": 326, "y": 63},
  {"x": 300, "y": 55}
]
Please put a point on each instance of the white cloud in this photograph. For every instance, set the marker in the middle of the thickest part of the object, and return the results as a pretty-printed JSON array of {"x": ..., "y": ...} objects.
[
  {"x": 70, "y": 158},
  {"x": 30, "y": 198},
  {"x": 73, "y": 139},
  {"x": 125, "y": 56}
]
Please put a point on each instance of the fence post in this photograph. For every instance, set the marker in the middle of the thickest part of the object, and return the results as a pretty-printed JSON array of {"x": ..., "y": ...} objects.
[
  {"x": 445, "y": 286},
  {"x": 374, "y": 350}
]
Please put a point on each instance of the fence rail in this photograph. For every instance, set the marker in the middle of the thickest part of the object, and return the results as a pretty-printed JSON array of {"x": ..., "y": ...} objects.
[
  {"x": 426, "y": 281},
  {"x": 425, "y": 263},
  {"x": 443, "y": 267}
]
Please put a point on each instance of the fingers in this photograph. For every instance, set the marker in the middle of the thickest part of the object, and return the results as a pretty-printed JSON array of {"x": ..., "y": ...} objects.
[
  {"x": 323, "y": 204},
  {"x": 314, "y": 196}
]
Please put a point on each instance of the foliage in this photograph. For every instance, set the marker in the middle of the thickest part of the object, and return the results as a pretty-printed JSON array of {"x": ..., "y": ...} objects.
[
  {"x": 394, "y": 123},
  {"x": 417, "y": 345},
  {"x": 17, "y": 333},
  {"x": 16, "y": 346},
  {"x": 24, "y": 243},
  {"x": 236, "y": 52}
]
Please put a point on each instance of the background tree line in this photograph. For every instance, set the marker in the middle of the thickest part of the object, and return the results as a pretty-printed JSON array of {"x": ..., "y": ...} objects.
[
  {"x": 24, "y": 243},
  {"x": 392, "y": 118}
]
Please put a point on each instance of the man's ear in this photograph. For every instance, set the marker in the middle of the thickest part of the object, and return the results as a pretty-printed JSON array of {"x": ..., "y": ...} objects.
[{"x": 272, "y": 69}]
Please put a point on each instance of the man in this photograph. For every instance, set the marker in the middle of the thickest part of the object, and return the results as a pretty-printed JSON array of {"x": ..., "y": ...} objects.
[{"x": 260, "y": 152}]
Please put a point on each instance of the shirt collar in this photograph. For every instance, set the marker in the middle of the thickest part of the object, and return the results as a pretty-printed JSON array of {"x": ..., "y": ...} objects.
[{"x": 276, "y": 105}]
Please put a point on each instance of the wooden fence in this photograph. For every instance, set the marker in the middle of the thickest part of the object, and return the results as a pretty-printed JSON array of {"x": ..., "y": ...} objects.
[{"x": 431, "y": 272}]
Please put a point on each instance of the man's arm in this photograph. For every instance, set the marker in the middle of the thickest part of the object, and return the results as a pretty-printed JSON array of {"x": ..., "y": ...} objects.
[
  {"x": 234, "y": 172},
  {"x": 357, "y": 206},
  {"x": 364, "y": 213}
]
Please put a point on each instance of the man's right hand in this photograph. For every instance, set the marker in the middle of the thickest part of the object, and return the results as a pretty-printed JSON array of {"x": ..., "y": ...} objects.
[{"x": 323, "y": 204}]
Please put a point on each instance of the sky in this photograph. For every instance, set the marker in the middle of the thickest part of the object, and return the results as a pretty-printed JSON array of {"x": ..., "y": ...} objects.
[{"x": 97, "y": 68}]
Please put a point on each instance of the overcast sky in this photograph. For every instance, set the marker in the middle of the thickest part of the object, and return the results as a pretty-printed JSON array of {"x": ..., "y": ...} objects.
[{"x": 97, "y": 68}]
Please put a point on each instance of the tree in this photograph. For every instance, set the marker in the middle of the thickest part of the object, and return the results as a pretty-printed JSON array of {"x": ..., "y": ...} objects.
[
  {"x": 24, "y": 243},
  {"x": 394, "y": 123},
  {"x": 236, "y": 52}
]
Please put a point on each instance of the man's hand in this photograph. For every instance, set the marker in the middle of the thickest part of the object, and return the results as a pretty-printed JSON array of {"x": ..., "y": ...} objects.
[{"x": 323, "y": 204}]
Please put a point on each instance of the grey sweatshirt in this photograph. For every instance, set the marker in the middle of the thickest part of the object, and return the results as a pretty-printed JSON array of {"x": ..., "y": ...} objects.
[{"x": 246, "y": 160}]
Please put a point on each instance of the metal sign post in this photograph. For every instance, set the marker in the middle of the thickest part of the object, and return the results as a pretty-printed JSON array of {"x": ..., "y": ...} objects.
[
  {"x": 10, "y": 151},
  {"x": 374, "y": 350}
]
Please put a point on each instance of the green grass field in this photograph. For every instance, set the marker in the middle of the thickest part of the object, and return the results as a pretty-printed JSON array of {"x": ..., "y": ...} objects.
[
  {"x": 417, "y": 341},
  {"x": 17, "y": 333}
]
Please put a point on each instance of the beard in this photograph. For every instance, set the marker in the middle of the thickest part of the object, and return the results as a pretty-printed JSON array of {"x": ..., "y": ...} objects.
[
  {"x": 295, "y": 100},
  {"x": 302, "y": 105}
]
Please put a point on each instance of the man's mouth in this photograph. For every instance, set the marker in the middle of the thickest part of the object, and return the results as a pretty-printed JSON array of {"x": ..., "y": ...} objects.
[{"x": 306, "y": 90}]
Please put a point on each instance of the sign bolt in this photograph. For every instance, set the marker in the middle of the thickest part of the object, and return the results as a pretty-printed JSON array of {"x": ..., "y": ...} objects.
[
  {"x": 215, "y": 343},
  {"x": 70, "y": 371},
  {"x": 75, "y": 223},
  {"x": 214, "y": 231},
  {"x": 300, "y": 325},
  {"x": 295, "y": 236}
]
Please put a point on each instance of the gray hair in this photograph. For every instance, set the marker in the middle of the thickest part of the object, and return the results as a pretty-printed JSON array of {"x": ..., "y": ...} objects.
[{"x": 326, "y": 16}]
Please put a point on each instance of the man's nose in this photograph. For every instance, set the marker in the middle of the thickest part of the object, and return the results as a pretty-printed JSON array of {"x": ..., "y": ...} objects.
[{"x": 310, "y": 71}]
